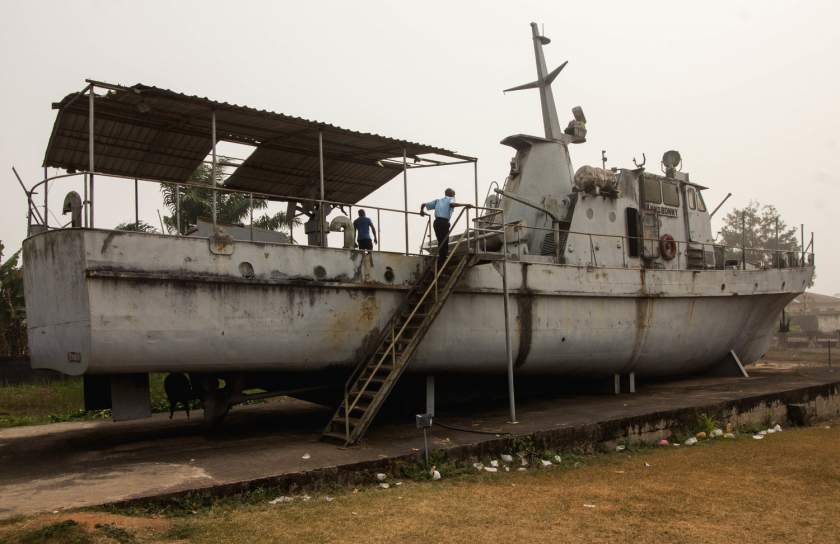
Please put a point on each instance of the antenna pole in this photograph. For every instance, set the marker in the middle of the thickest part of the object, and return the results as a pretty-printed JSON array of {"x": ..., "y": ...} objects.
[{"x": 549, "y": 110}]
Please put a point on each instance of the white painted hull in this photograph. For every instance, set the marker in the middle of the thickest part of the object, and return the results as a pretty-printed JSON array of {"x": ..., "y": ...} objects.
[{"x": 102, "y": 302}]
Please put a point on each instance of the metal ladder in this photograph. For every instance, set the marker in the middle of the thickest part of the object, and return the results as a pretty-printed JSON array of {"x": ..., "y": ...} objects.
[{"x": 379, "y": 369}]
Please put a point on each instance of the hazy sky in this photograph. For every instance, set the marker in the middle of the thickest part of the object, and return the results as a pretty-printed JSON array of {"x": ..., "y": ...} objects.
[{"x": 748, "y": 92}]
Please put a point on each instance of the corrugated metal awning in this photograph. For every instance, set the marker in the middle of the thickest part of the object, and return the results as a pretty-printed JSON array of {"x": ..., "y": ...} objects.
[{"x": 158, "y": 134}]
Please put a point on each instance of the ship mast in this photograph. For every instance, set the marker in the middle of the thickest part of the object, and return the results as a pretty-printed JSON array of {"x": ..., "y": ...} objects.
[{"x": 543, "y": 83}]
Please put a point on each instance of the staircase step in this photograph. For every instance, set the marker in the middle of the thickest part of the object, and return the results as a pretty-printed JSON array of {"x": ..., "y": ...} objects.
[
  {"x": 338, "y": 437},
  {"x": 374, "y": 383},
  {"x": 367, "y": 394},
  {"x": 354, "y": 421},
  {"x": 375, "y": 379}
]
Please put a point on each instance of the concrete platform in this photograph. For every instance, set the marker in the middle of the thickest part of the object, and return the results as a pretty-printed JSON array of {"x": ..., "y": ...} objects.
[{"x": 70, "y": 465}]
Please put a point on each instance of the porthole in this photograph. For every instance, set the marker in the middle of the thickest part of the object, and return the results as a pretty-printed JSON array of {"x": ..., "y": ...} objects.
[
  {"x": 320, "y": 272},
  {"x": 246, "y": 270},
  {"x": 722, "y": 286}
]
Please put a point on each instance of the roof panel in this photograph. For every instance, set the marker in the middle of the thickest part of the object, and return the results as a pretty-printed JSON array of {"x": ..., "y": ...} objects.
[{"x": 159, "y": 134}]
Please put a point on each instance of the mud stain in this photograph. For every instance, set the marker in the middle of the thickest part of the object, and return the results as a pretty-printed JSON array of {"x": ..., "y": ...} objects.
[{"x": 107, "y": 242}]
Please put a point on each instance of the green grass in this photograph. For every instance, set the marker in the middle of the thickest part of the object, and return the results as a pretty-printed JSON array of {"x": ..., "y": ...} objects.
[
  {"x": 61, "y": 400},
  {"x": 63, "y": 532},
  {"x": 115, "y": 533}
]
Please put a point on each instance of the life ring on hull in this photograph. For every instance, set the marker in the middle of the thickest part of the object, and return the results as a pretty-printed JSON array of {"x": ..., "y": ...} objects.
[{"x": 667, "y": 247}]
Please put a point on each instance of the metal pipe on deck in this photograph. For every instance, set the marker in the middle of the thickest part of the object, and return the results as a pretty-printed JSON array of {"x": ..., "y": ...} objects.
[
  {"x": 405, "y": 200},
  {"x": 508, "y": 352},
  {"x": 213, "y": 167}
]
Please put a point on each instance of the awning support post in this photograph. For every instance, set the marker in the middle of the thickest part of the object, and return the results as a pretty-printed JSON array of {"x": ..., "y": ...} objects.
[
  {"x": 405, "y": 200},
  {"x": 802, "y": 244},
  {"x": 475, "y": 179},
  {"x": 46, "y": 201},
  {"x": 321, "y": 214},
  {"x": 90, "y": 151},
  {"x": 213, "y": 167},
  {"x": 136, "y": 207},
  {"x": 178, "y": 209},
  {"x": 85, "y": 203},
  {"x": 251, "y": 208}
]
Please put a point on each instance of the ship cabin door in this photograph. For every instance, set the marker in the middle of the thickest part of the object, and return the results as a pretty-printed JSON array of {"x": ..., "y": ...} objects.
[
  {"x": 652, "y": 195},
  {"x": 697, "y": 219}
]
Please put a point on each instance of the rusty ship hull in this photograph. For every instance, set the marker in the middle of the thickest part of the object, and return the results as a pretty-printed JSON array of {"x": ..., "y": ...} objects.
[{"x": 109, "y": 302}]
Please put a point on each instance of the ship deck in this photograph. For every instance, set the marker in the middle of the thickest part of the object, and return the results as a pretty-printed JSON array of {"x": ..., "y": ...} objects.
[{"x": 70, "y": 465}]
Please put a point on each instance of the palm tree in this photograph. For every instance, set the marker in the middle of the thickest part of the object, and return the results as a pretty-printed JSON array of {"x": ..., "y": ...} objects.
[
  {"x": 12, "y": 308},
  {"x": 231, "y": 208},
  {"x": 140, "y": 226}
]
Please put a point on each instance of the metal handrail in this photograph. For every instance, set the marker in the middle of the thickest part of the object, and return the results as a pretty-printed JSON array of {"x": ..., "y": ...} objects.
[
  {"x": 809, "y": 255},
  {"x": 641, "y": 239},
  {"x": 395, "y": 336},
  {"x": 223, "y": 189}
]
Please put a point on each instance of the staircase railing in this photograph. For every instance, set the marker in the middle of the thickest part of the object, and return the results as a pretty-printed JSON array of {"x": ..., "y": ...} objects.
[{"x": 396, "y": 335}]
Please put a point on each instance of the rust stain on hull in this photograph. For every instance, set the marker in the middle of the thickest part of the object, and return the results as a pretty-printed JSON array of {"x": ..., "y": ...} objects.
[{"x": 525, "y": 307}]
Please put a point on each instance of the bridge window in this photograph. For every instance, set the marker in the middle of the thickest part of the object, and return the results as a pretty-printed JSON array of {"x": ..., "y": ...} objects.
[
  {"x": 670, "y": 193},
  {"x": 632, "y": 218},
  {"x": 653, "y": 192},
  {"x": 700, "y": 204},
  {"x": 692, "y": 200}
]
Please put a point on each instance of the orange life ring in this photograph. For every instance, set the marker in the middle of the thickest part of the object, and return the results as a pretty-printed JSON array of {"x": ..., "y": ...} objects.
[{"x": 667, "y": 247}]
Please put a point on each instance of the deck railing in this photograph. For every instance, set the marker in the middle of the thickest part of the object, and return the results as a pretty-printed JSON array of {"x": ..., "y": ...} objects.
[
  {"x": 38, "y": 222},
  {"x": 575, "y": 248},
  {"x": 483, "y": 232}
]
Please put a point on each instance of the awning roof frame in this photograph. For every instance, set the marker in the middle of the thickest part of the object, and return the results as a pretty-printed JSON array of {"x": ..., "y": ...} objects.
[{"x": 158, "y": 134}]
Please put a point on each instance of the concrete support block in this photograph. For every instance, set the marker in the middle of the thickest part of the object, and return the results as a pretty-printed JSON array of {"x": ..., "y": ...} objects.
[{"x": 130, "y": 397}]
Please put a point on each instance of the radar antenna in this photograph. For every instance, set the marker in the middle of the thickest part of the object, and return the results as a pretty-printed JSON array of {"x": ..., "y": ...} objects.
[{"x": 543, "y": 83}]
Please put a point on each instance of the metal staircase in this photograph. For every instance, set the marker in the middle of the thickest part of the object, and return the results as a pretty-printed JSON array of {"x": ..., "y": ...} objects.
[{"x": 379, "y": 369}]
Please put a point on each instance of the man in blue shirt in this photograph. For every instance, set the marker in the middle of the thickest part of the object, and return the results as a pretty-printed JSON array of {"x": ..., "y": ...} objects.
[
  {"x": 443, "y": 211},
  {"x": 363, "y": 227}
]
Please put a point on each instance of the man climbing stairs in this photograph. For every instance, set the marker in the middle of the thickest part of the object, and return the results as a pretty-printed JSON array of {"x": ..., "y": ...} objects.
[{"x": 378, "y": 371}]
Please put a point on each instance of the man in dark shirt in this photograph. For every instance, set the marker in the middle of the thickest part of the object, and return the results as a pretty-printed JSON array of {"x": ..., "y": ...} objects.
[{"x": 363, "y": 227}]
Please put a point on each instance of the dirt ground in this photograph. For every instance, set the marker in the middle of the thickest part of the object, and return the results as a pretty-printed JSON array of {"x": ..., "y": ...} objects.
[{"x": 784, "y": 488}]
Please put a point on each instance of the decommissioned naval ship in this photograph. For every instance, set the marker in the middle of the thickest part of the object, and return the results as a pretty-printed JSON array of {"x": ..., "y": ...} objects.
[{"x": 598, "y": 272}]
